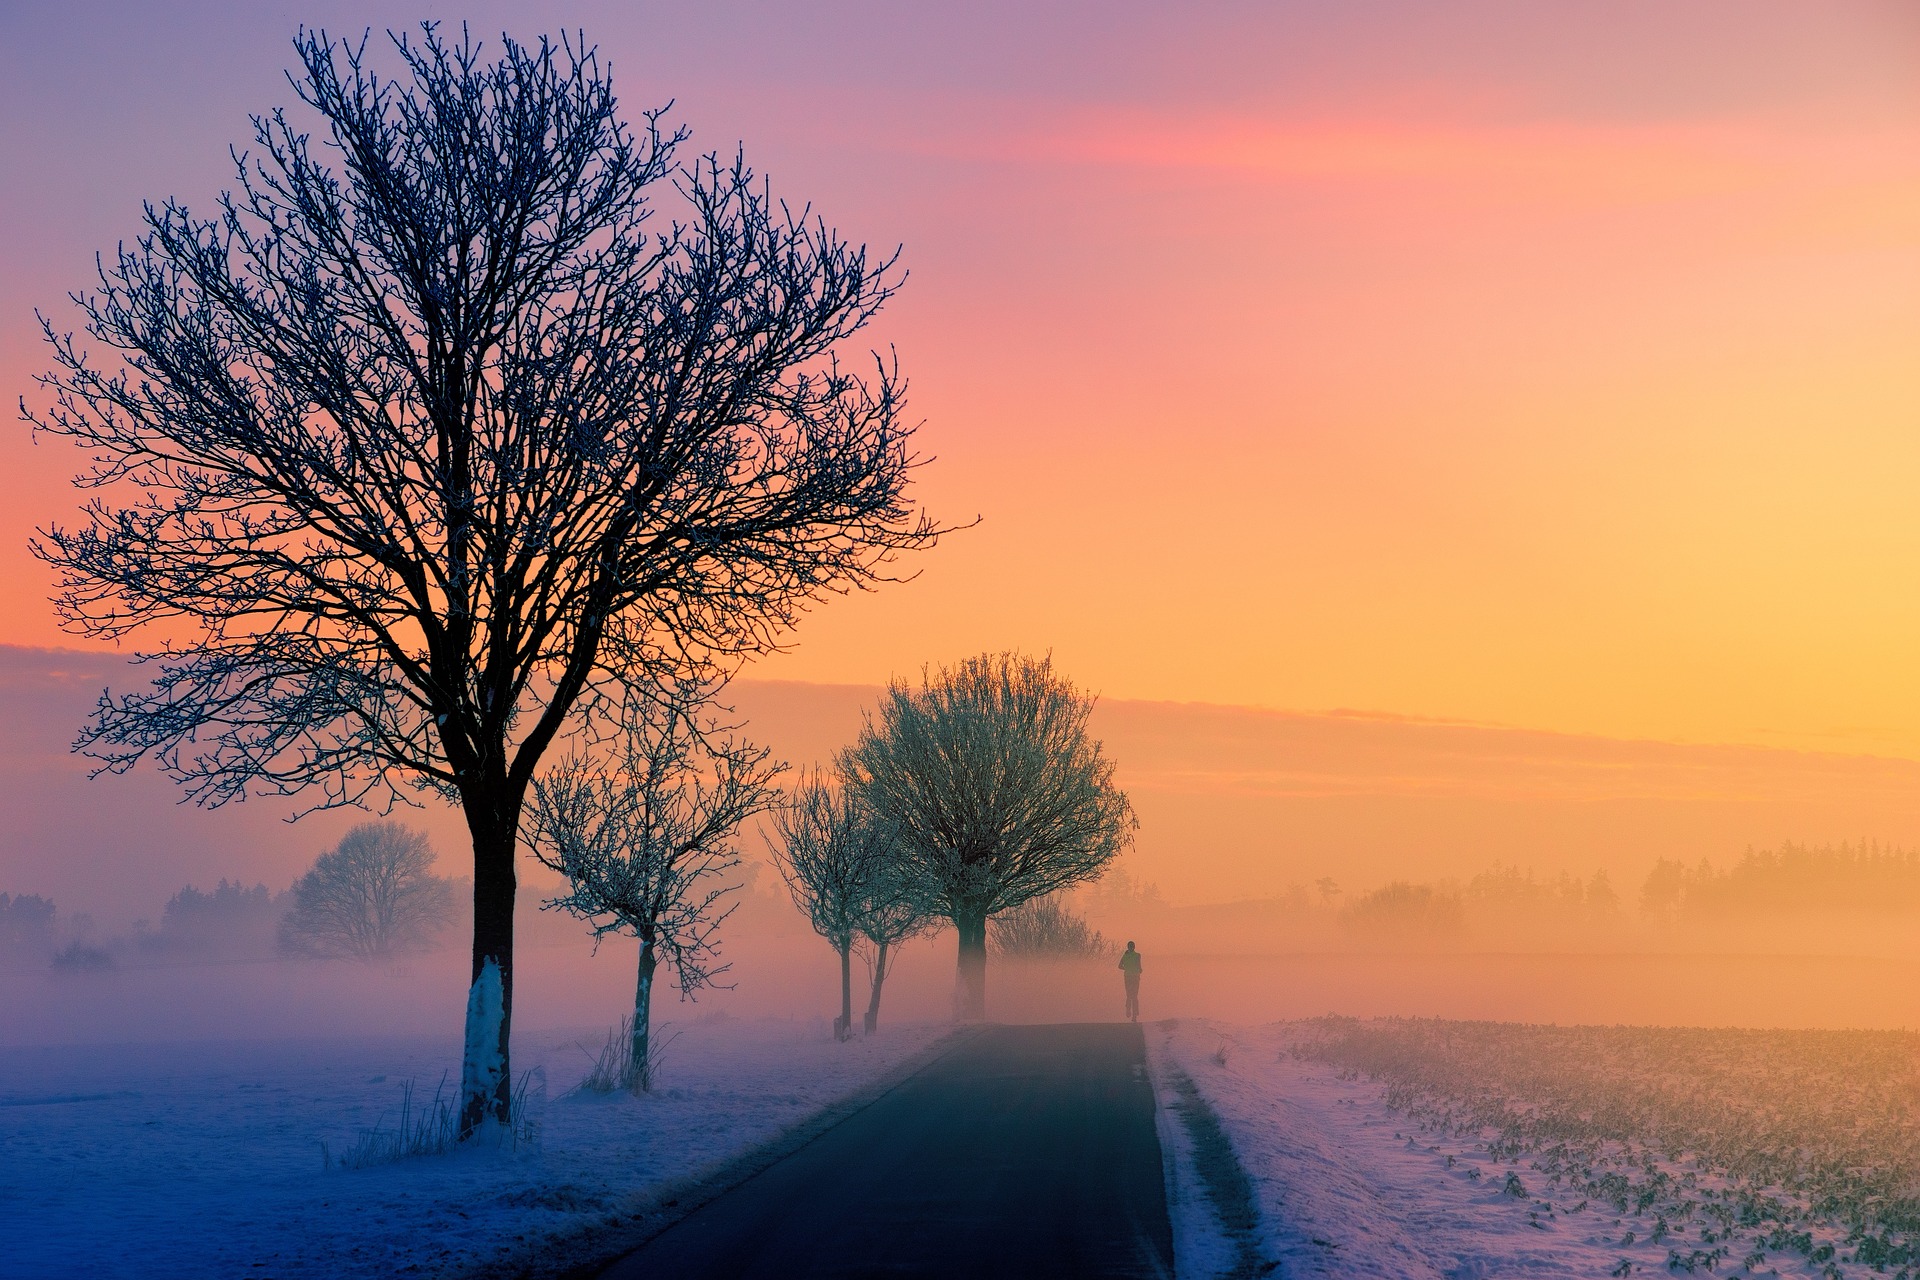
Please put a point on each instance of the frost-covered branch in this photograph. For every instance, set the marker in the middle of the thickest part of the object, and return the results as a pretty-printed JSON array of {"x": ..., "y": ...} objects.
[{"x": 645, "y": 842}]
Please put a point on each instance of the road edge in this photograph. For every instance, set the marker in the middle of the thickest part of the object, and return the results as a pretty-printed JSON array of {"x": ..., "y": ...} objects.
[
  {"x": 585, "y": 1251},
  {"x": 1210, "y": 1198}
]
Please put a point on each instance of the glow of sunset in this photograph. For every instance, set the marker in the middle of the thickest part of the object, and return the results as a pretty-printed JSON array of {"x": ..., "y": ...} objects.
[{"x": 1556, "y": 366}]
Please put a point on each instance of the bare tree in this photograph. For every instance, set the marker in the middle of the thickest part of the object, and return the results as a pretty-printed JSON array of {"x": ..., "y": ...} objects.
[
  {"x": 835, "y": 859},
  {"x": 371, "y": 897},
  {"x": 431, "y": 443},
  {"x": 646, "y": 845},
  {"x": 890, "y": 911},
  {"x": 998, "y": 792}
]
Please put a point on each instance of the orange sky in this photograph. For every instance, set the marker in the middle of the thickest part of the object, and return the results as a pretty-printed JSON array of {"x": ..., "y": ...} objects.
[{"x": 1554, "y": 366}]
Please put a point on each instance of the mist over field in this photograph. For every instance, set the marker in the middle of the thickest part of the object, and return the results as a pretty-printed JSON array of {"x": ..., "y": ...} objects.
[{"x": 1287, "y": 865}]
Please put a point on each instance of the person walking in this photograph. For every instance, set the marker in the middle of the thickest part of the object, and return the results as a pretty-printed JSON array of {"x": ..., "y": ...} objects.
[{"x": 1130, "y": 970}]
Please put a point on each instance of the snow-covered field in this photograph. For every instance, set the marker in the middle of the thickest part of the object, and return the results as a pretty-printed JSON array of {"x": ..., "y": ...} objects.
[
  {"x": 201, "y": 1160},
  {"x": 1597, "y": 1151},
  {"x": 1346, "y": 1185}
]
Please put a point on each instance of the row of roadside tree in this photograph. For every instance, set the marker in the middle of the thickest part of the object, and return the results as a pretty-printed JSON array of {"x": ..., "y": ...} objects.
[
  {"x": 972, "y": 794},
  {"x": 479, "y": 418}
]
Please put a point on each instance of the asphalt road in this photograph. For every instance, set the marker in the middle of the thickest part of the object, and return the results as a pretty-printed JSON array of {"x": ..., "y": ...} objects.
[{"x": 1024, "y": 1151}]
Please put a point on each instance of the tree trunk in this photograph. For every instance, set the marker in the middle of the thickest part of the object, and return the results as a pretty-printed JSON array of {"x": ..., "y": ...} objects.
[
  {"x": 970, "y": 986},
  {"x": 486, "y": 1078},
  {"x": 643, "y": 1020},
  {"x": 872, "y": 1022},
  {"x": 843, "y": 1025}
]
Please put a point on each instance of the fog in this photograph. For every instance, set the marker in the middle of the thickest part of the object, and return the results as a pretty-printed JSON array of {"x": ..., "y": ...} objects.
[{"x": 1286, "y": 865}]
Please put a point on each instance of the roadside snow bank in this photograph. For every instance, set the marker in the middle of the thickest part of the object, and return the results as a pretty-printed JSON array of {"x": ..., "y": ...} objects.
[{"x": 195, "y": 1160}]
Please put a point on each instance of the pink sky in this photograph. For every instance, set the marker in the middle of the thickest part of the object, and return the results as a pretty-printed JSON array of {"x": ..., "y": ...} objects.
[{"x": 1548, "y": 366}]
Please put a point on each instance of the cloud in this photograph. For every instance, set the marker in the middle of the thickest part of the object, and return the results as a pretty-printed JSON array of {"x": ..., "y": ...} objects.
[{"x": 1541, "y": 159}]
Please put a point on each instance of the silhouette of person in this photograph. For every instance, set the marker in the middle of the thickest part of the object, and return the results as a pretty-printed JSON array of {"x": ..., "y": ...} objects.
[{"x": 1130, "y": 970}]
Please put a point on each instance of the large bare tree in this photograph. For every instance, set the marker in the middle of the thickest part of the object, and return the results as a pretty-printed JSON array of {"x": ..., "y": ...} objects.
[
  {"x": 645, "y": 845},
  {"x": 997, "y": 790},
  {"x": 434, "y": 439}
]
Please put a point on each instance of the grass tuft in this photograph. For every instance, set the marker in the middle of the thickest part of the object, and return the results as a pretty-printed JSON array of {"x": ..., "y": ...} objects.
[
  {"x": 434, "y": 1129},
  {"x": 614, "y": 1069}
]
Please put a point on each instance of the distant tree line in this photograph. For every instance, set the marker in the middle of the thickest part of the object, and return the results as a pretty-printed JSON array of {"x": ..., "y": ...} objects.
[
  {"x": 229, "y": 921},
  {"x": 372, "y": 897},
  {"x": 1793, "y": 879},
  {"x": 27, "y": 928}
]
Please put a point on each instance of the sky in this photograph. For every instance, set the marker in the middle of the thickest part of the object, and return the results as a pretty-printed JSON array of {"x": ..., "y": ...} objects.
[{"x": 1548, "y": 367}]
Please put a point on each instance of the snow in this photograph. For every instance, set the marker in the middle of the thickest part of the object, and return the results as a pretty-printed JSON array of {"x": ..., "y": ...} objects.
[
  {"x": 482, "y": 1068},
  {"x": 201, "y": 1159},
  {"x": 1200, "y": 1245},
  {"x": 1344, "y": 1189}
]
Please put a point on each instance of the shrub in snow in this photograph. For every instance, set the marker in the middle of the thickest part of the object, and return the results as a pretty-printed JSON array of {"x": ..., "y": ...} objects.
[
  {"x": 433, "y": 1130},
  {"x": 1044, "y": 928},
  {"x": 613, "y": 1066},
  {"x": 78, "y": 957}
]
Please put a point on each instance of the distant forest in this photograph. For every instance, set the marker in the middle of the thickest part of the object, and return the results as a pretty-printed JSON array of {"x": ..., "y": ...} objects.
[
  {"x": 228, "y": 922},
  {"x": 1802, "y": 887},
  {"x": 1791, "y": 880},
  {"x": 372, "y": 898}
]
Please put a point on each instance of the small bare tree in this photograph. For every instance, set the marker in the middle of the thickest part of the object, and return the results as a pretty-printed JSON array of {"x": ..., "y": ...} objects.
[
  {"x": 371, "y": 897},
  {"x": 835, "y": 859},
  {"x": 890, "y": 912},
  {"x": 434, "y": 441},
  {"x": 645, "y": 847},
  {"x": 997, "y": 791}
]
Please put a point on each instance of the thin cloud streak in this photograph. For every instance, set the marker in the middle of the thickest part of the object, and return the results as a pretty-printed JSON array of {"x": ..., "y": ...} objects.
[{"x": 1568, "y": 160}]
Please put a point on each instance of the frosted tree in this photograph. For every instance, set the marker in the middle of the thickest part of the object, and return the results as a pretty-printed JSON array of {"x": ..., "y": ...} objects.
[
  {"x": 434, "y": 440},
  {"x": 837, "y": 863},
  {"x": 371, "y": 897},
  {"x": 996, "y": 790},
  {"x": 645, "y": 845},
  {"x": 890, "y": 911}
]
